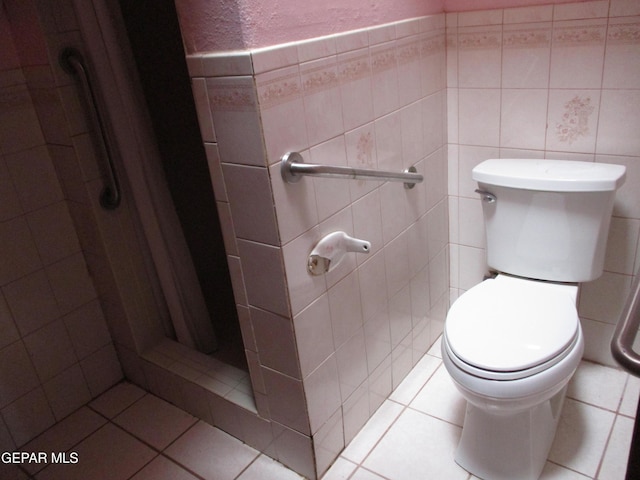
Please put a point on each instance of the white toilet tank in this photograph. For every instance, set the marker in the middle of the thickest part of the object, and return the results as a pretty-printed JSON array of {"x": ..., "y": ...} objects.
[{"x": 547, "y": 219}]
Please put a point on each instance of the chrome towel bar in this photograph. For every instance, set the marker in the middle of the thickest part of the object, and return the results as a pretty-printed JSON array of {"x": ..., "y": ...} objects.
[
  {"x": 626, "y": 330},
  {"x": 292, "y": 167},
  {"x": 72, "y": 62}
]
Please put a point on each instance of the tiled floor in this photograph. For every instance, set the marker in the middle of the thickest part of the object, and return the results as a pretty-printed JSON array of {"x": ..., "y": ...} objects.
[{"x": 129, "y": 434}]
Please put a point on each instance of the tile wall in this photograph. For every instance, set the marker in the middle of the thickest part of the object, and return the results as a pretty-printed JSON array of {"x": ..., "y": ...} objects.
[
  {"x": 56, "y": 352},
  {"x": 547, "y": 82},
  {"x": 325, "y": 351}
]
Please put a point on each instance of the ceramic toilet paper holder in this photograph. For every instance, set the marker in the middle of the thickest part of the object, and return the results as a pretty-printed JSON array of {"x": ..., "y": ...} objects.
[{"x": 330, "y": 251}]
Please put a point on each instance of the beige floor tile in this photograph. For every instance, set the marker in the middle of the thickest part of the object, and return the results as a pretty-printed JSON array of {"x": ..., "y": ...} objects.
[
  {"x": 195, "y": 448},
  {"x": 155, "y": 421},
  {"x": 108, "y": 454}
]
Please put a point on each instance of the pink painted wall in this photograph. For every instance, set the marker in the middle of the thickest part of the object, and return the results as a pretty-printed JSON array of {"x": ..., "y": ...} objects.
[
  {"x": 218, "y": 25},
  {"x": 209, "y": 25}
]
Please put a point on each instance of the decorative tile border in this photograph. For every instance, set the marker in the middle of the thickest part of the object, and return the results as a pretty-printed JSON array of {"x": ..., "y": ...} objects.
[
  {"x": 408, "y": 52},
  {"x": 433, "y": 44},
  {"x": 279, "y": 90},
  {"x": 579, "y": 35},
  {"x": 479, "y": 40},
  {"x": 624, "y": 34},
  {"x": 231, "y": 97},
  {"x": 317, "y": 79},
  {"x": 527, "y": 38},
  {"x": 351, "y": 69},
  {"x": 383, "y": 59}
]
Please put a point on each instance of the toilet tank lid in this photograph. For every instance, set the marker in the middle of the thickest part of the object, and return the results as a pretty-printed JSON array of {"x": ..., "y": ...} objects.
[{"x": 550, "y": 175}]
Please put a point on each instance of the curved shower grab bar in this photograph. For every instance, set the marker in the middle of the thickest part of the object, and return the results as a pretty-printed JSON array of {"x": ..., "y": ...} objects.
[
  {"x": 626, "y": 330},
  {"x": 292, "y": 167},
  {"x": 72, "y": 62}
]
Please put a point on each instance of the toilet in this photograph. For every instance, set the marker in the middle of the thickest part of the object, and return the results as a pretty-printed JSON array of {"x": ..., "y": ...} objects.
[{"x": 512, "y": 343}]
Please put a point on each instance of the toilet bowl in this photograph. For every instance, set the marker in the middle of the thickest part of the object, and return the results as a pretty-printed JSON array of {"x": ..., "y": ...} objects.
[{"x": 511, "y": 345}]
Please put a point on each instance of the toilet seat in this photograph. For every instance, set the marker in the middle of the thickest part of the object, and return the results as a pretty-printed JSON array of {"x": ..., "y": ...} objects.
[{"x": 508, "y": 328}]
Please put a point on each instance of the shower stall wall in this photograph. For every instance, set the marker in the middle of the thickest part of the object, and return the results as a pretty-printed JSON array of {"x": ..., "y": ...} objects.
[{"x": 323, "y": 352}]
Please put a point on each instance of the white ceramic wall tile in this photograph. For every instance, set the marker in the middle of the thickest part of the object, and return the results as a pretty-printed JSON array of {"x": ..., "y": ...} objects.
[
  {"x": 354, "y": 72},
  {"x": 394, "y": 216},
  {"x": 352, "y": 364},
  {"x": 573, "y": 120},
  {"x": 314, "y": 335},
  {"x": 17, "y": 373},
  {"x": 619, "y": 116},
  {"x": 251, "y": 203},
  {"x": 295, "y": 202},
  {"x": 410, "y": 70},
  {"x": 201, "y": 99},
  {"x": 367, "y": 221},
  {"x": 332, "y": 195},
  {"x": 362, "y": 152},
  {"x": 479, "y": 116},
  {"x": 322, "y": 392},
  {"x": 577, "y": 46},
  {"x": 24, "y": 427},
  {"x": 384, "y": 79},
  {"x": 589, "y": 9},
  {"x": 397, "y": 264},
  {"x": 400, "y": 327},
  {"x": 352, "y": 40},
  {"x": 479, "y": 57},
  {"x": 621, "y": 64},
  {"x": 264, "y": 276},
  {"x": 540, "y": 13},
  {"x": 18, "y": 116},
  {"x": 373, "y": 286},
  {"x": 270, "y": 329},
  {"x": 282, "y": 112},
  {"x": 303, "y": 287},
  {"x": 377, "y": 345},
  {"x": 346, "y": 312},
  {"x": 322, "y": 100},
  {"x": 233, "y": 103},
  {"x": 471, "y": 223},
  {"x": 31, "y": 301},
  {"x": 522, "y": 123},
  {"x": 356, "y": 411},
  {"x": 23, "y": 166},
  {"x": 621, "y": 245},
  {"x": 611, "y": 286},
  {"x": 287, "y": 402},
  {"x": 50, "y": 349},
  {"x": 433, "y": 111},
  {"x": 226, "y": 64},
  {"x": 624, "y": 7},
  {"x": 274, "y": 57}
]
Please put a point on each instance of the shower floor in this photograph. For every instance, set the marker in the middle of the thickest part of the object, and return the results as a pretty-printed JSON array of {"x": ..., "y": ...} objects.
[{"x": 128, "y": 434}]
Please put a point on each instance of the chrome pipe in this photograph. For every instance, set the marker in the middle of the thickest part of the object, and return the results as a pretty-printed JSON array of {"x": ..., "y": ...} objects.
[
  {"x": 72, "y": 62},
  {"x": 626, "y": 331},
  {"x": 292, "y": 168}
]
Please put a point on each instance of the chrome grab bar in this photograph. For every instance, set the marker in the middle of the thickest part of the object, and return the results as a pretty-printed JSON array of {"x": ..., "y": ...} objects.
[
  {"x": 626, "y": 330},
  {"x": 292, "y": 167},
  {"x": 72, "y": 62}
]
